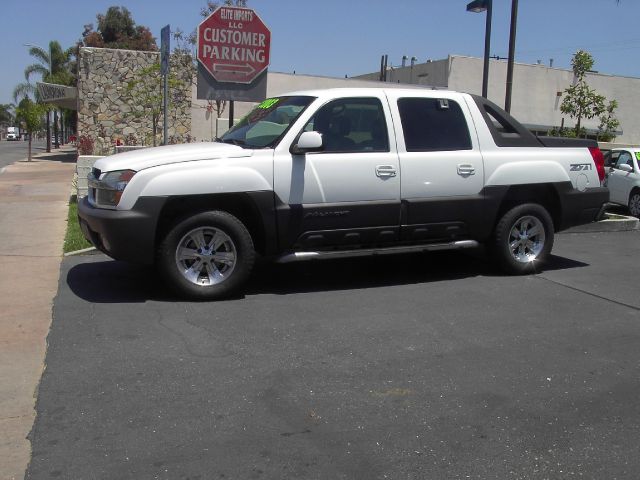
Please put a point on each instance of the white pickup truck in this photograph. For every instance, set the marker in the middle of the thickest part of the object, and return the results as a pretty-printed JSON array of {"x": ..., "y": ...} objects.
[
  {"x": 13, "y": 133},
  {"x": 343, "y": 172}
]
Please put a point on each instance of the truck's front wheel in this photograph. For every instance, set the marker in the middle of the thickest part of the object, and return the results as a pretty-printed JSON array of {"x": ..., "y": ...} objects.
[
  {"x": 523, "y": 238},
  {"x": 208, "y": 256}
]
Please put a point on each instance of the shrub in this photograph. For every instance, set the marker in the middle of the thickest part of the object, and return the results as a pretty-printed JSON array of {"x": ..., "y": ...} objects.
[
  {"x": 131, "y": 140},
  {"x": 85, "y": 145}
]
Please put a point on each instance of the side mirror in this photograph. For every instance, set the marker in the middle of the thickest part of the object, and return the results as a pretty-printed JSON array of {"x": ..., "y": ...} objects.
[
  {"x": 307, "y": 142},
  {"x": 626, "y": 168}
]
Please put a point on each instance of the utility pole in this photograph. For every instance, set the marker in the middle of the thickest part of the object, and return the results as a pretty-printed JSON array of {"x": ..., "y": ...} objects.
[
  {"x": 477, "y": 6},
  {"x": 487, "y": 48},
  {"x": 164, "y": 70},
  {"x": 512, "y": 51}
]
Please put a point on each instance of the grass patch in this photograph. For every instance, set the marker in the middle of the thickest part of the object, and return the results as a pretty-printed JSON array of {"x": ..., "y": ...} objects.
[{"x": 74, "y": 240}]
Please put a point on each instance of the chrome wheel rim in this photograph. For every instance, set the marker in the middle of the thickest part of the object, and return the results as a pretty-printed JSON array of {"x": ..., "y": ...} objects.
[
  {"x": 206, "y": 256},
  {"x": 634, "y": 205},
  {"x": 526, "y": 239}
]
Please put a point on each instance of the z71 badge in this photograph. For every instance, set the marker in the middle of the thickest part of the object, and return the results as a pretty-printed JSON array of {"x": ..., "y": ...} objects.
[{"x": 578, "y": 167}]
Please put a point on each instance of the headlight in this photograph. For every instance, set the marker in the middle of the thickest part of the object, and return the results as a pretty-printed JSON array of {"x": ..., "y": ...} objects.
[{"x": 106, "y": 191}]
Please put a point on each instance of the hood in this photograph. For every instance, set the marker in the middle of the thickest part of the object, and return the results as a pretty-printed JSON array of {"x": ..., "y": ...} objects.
[{"x": 152, "y": 157}]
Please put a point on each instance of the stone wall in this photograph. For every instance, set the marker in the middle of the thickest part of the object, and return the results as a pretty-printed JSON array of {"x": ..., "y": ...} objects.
[{"x": 109, "y": 114}]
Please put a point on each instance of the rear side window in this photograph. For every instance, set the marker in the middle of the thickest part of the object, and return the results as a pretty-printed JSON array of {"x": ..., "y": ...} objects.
[
  {"x": 433, "y": 124},
  {"x": 505, "y": 130}
]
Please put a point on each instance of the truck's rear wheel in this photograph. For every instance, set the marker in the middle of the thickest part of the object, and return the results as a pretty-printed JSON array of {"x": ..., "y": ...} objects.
[
  {"x": 523, "y": 238},
  {"x": 208, "y": 256}
]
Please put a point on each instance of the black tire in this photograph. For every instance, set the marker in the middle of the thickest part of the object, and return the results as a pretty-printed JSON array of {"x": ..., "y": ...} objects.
[
  {"x": 634, "y": 203},
  {"x": 208, "y": 256},
  {"x": 523, "y": 239}
]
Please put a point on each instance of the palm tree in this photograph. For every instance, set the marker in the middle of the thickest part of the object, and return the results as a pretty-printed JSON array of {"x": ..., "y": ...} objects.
[
  {"x": 52, "y": 66},
  {"x": 6, "y": 113}
]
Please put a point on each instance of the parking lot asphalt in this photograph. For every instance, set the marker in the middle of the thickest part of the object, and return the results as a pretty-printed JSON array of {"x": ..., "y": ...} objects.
[{"x": 409, "y": 366}]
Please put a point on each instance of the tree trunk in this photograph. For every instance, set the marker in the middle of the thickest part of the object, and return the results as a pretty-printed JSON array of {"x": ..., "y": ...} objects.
[
  {"x": 56, "y": 142},
  {"x": 29, "y": 154},
  {"x": 48, "y": 133}
]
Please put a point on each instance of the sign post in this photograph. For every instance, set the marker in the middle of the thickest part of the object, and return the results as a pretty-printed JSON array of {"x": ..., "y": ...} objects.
[
  {"x": 164, "y": 71},
  {"x": 233, "y": 56}
]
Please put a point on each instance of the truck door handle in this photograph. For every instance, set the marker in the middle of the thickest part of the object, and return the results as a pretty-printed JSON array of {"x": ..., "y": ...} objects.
[
  {"x": 385, "y": 171},
  {"x": 466, "y": 169}
]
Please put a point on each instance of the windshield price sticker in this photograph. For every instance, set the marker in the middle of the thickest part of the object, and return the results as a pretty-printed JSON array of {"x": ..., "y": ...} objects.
[{"x": 268, "y": 103}]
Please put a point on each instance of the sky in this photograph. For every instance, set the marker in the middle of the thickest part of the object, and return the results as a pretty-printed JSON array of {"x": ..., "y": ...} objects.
[{"x": 337, "y": 38}]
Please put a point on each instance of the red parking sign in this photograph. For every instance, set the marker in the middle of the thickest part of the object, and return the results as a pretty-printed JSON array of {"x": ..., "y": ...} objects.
[{"x": 233, "y": 45}]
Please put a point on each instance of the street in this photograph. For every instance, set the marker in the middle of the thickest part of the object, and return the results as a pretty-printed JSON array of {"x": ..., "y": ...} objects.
[
  {"x": 13, "y": 151},
  {"x": 409, "y": 366}
]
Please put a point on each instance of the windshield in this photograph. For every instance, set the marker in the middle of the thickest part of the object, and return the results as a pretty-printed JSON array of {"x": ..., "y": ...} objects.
[{"x": 267, "y": 122}]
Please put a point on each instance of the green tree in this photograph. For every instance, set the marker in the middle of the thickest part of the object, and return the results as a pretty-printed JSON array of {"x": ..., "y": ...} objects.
[
  {"x": 29, "y": 116},
  {"x": 6, "y": 113},
  {"x": 57, "y": 58},
  {"x": 580, "y": 100},
  {"x": 213, "y": 6},
  {"x": 145, "y": 95},
  {"x": 117, "y": 29},
  {"x": 608, "y": 123},
  {"x": 53, "y": 67}
]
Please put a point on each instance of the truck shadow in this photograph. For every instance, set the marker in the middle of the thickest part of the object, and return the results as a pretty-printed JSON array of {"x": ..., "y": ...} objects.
[{"x": 102, "y": 280}]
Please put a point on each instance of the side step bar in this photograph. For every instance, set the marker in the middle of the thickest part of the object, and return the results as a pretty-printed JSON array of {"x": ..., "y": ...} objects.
[{"x": 321, "y": 255}]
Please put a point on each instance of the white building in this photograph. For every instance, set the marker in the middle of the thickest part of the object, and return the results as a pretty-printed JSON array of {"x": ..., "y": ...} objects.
[
  {"x": 536, "y": 94},
  {"x": 203, "y": 120}
]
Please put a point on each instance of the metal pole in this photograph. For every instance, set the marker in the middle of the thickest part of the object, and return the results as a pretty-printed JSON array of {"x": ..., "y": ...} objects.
[
  {"x": 230, "y": 113},
  {"x": 487, "y": 48},
  {"x": 512, "y": 50},
  {"x": 165, "y": 49},
  {"x": 386, "y": 65},
  {"x": 165, "y": 108}
]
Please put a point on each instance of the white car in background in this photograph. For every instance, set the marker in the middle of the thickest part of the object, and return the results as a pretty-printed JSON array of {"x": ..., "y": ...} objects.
[{"x": 623, "y": 178}]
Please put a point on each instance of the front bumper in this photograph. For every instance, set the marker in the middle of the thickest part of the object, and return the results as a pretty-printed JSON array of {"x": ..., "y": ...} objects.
[{"x": 128, "y": 235}]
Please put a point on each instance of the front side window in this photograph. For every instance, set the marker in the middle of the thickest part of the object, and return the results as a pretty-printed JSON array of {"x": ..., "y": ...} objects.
[
  {"x": 625, "y": 159},
  {"x": 351, "y": 125},
  {"x": 611, "y": 158},
  {"x": 267, "y": 123},
  {"x": 433, "y": 124}
]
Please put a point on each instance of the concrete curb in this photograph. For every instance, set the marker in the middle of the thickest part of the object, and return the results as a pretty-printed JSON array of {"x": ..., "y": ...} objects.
[
  {"x": 613, "y": 223},
  {"x": 79, "y": 252}
]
